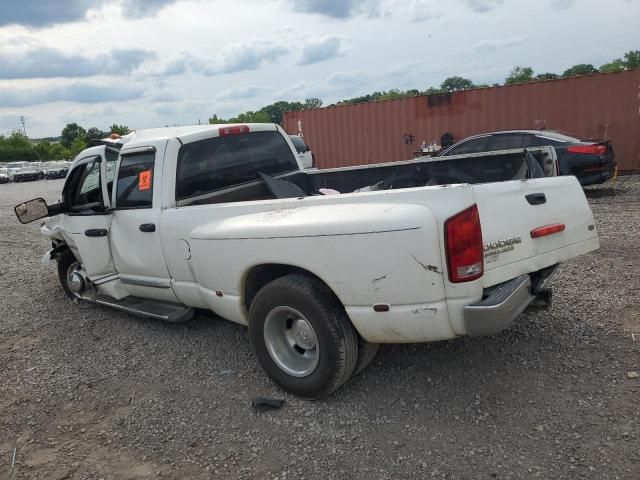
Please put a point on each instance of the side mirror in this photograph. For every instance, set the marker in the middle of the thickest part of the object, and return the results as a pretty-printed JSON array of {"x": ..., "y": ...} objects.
[{"x": 32, "y": 210}]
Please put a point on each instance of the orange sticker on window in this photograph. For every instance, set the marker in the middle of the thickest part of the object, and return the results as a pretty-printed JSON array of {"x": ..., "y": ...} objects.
[{"x": 144, "y": 180}]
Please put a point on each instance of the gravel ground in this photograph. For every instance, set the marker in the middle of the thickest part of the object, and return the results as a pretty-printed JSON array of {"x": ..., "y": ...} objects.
[{"x": 91, "y": 393}]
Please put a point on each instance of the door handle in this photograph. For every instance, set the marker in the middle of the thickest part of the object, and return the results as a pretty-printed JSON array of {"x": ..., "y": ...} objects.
[
  {"x": 96, "y": 232},
  {"x": 536, "y": 198},
  {"x": 147, "y": 227}
]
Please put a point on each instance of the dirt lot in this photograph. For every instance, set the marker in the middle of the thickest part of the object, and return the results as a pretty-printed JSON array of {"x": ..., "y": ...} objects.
[{"x": 90, "y": 393}]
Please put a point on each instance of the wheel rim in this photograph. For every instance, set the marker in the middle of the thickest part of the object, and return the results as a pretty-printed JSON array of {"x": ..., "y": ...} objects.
[
  {"x": 73, "y": 279},
  {"x": 291, "y": 341}
]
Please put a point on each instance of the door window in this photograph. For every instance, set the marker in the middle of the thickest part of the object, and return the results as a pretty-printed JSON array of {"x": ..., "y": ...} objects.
[
  {"x": 506, "y": 141},
  {"x": 84, "y": 193},
  {"x": 134, "y": 186}
]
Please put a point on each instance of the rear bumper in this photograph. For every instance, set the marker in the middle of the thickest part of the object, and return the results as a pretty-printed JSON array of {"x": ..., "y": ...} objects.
[{"x": 505, "y": 302}]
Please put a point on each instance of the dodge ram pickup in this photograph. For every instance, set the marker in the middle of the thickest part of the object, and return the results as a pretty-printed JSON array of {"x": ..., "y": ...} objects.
[{"x": 321, "y": 265}]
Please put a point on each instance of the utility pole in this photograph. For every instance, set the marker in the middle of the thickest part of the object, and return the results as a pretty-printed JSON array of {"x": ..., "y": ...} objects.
[{"x": 24, "y": 129}]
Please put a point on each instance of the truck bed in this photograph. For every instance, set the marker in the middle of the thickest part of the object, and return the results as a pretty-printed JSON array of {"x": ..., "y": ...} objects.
[{"x": 477, "y": 168}]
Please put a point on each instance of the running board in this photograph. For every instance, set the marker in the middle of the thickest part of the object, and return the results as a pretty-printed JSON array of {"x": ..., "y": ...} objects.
[{"x": 143, "y": 307}]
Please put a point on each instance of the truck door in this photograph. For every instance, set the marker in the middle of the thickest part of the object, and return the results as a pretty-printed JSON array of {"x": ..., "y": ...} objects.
[
  {"x": 86, "y": 225},
  {"x": 135, "y": 228}
]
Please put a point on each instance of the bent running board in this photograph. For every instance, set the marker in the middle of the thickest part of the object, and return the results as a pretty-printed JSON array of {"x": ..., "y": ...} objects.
[{"x": 144, "y": 307}]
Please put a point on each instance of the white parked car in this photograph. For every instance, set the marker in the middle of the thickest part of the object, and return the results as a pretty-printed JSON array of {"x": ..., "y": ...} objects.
[
  {"x": 6, "y": 175},
  {"x": 13, "y": 167},
  {"x": 224, "y": 217}
]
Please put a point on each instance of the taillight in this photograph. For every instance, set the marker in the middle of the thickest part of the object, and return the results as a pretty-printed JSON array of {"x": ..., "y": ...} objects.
[
  {"x": 235, "y": 130},
  {"x": 590, "y": 149},
  {"x": 463, "y": 243},
  {"x": 547, "y": 230}
]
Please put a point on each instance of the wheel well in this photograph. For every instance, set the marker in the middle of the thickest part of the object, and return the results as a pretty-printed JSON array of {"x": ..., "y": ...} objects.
[{"x": 260, "y": 275}]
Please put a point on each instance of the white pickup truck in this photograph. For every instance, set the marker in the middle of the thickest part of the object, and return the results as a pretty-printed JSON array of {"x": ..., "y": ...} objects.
[{"x": 321, "y": 265}]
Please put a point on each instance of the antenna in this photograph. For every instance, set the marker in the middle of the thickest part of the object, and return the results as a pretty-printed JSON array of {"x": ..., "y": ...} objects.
[{"x": 24, "y": 129}]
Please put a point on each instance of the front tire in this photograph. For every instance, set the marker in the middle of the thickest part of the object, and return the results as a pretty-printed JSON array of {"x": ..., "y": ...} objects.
[
  {"x": 302, "y": 336},
  {"x": 67, "y": 264}
]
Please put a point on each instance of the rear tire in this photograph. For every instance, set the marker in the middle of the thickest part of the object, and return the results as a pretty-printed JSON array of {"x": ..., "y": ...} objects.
[
  {"x": 67, "y": 262},
  {"x": 302, "y": 336}
]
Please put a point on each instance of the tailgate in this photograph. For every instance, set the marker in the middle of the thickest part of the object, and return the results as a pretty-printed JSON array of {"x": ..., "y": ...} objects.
[{"x": 511, "y": 211}]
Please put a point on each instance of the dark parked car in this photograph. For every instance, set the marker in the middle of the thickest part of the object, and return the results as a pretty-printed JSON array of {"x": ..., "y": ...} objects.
[
  {"x": 28, "y": 174},
  {"x": 56, "y": 170},
  {"x": 591, "y": 161}
]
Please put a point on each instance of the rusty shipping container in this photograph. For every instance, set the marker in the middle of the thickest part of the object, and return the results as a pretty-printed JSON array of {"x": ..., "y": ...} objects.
[{"x": 594, "y": 106}]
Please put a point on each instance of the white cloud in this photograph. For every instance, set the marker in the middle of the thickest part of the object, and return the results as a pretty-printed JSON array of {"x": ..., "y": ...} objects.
[
  {"x": 80, "y": 92},
  {"x": 485, "y": 46},
  {"x": 341, "y": 9},
  {"x": 562, "y": 4},
  {"x": 243, "y": 91},
  {"x": 483, "y": 6},
  {"x": 45, "y": 62},
  {"x": 321, "y": 49}
]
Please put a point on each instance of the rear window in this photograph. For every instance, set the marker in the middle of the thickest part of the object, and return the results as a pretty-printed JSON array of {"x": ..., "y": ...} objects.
[
  {"x": 555, "y": 138},
  {"x": 222, "y": 162}
]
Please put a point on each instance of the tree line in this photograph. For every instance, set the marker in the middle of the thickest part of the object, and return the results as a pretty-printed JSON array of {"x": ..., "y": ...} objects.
[
  {"x": 271, "y": 113},
  {"x": 518, "y": 74},
  {"x": 73, "y": 139}
]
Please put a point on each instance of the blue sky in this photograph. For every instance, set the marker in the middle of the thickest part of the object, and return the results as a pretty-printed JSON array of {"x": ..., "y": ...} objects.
[{"x": 147, "y": 63}]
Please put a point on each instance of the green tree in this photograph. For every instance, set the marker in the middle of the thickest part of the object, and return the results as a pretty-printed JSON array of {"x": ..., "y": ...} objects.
[
  {"x": 456, "y": 83},
  {"x": 519, "y": 75},
  {"x": 215, "y": 119},
  {"x": 58, "y": 152},
  {"x": 312, "y": 103},
  {"x": 94, "y": 134},
  {"x": 16, "y": 147},
  {"x": 580, "y": 69},
  {"x": 431, "y": 91},
  {"x": 77, "y": 146},
  {"x": 70, "y": 133},
  {"x": 547, "y": 76},
  {"x": 119, "y": 129},
  {"x": 276, "y": 110},
  {"x": 615, "y": 65},
  {"x": 43, "y": 149},
  {"x": 251, "y": 117},
  {"x": 632, "y": 59}
]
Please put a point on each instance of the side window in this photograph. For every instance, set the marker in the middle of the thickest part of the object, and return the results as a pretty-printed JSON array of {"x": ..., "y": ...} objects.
[
  {"x": 227, "y": 161},
  {"x": 475, "y": 145},
  {"x": 507, "y": 141},
  {"x": 84, "y": 194},
  {"x": 134, "y": 186}
]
